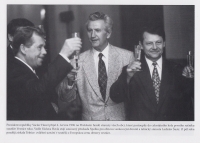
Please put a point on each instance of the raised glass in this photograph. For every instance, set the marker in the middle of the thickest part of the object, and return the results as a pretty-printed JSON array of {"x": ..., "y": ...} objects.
[
  {"x": 137, "y": 52},
  {"x": 190, "y": 59}
]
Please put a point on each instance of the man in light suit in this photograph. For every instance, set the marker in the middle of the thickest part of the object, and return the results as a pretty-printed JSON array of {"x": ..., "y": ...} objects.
[
  {"x": 28, "y": 97},
  {"x": 160, "y": 91},
  {"x": 98, "y": 72}
]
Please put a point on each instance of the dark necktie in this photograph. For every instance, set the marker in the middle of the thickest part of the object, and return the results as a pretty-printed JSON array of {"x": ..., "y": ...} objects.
[
  {"x": 156, "y": 81},
  {"x": 102, "y": 78}
]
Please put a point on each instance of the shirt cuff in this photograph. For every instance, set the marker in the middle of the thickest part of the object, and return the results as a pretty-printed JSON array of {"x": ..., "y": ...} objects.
[{"x": 65, "y": 57}]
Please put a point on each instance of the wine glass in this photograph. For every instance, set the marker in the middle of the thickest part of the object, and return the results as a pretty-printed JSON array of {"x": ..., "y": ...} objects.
[
  {"x": 76, "y": 57},
  {"x": 190, "y": 65},
  {"x": 190, "y": 59},
  {"x": 137, "y": 52},
  {"x": 137, "y": 55}
]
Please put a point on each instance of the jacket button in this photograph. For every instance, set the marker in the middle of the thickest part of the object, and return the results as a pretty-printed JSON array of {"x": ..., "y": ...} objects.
[{"x": 105, "y": 105}]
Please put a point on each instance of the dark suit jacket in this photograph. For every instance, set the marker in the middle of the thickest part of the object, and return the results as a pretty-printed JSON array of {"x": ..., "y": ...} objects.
[
  {"x": 10, "y": 56},
  {"x": 28, "y": 98},
  {"x": 175, "y": 95}
]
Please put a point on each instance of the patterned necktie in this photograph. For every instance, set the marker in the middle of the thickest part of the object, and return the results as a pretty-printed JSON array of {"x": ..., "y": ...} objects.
[
  {"x": 156, "y": 81},
  {"x": 102, "y": 79}
]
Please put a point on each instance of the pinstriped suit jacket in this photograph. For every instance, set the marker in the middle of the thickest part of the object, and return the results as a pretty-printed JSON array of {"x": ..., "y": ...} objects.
[{"x": 93, "y": 105}]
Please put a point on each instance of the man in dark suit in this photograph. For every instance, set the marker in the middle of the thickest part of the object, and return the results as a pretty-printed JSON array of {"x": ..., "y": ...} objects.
[
  {"x": 11, "y": 28},
  {"x": 159, "y": 92},
  {"x": 27, "y": 95}
]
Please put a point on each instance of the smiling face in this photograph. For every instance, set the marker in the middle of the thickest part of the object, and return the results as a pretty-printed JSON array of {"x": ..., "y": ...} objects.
[
  {"x": 97, "y": 34},
  {"x": 35, "y": 54},
  {"x": 153, "y": 46}
]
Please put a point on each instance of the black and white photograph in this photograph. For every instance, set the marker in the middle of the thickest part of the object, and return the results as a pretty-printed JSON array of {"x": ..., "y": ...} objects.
[{"x": 100, "y": 70}]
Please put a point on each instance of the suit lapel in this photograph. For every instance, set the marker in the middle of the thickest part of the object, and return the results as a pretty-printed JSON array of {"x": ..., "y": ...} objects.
[
  {"x": 147, "y": 83},
  {"x": 21, "y": 64},
  {"x": 113, "y": 68},
  {"x": 166, "y": 81},
  {"x": 113, "y": 71},
  {"x": 90, "y": 72}
]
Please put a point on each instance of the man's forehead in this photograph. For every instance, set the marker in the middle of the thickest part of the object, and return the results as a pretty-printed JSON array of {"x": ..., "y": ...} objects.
[
  {"x": 38, "y": 39},
  {"x": 147, "y": 35},
  {"x": 96, "y": 23}
]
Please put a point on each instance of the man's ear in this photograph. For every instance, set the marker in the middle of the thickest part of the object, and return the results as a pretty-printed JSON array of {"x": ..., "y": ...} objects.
[
  {"x": 164, "y": 43},
  {"x": 140, "y": 43},
  {"x": 22, "y": 48},
  {"x": 10, "y": 38},
  {"x": 109, "y": 34}
]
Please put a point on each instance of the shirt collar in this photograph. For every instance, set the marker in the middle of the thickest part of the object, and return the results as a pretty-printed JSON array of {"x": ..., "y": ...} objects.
[
  {"x": 159, "y": 62},
  {"x": 104, "y": 52},
  {"x": 26, "y": 64},
  {"x": 11, "y": 46}
]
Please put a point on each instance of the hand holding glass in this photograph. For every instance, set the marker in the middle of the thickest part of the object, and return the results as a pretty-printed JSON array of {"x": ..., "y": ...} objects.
[{"x": 189, "y": 69}]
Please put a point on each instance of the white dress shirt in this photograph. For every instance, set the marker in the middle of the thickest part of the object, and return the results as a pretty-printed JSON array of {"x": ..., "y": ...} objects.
[
  {"x": 158, "y": 66},
  {"x": 11, "y": 47},
  {"x": 104, "y": 58}
]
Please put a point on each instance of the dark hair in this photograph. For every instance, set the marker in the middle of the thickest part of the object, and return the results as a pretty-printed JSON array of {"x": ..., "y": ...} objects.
[
  {"x": 152, "y": 29},
  {"x": 23, "y": 36},
  {"x": 15, "y": 23},
  {"x": 101, "y": 16}
]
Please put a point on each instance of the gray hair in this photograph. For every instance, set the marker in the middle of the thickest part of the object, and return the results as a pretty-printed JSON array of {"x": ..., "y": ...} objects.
[{"x": 101, "y": 16}]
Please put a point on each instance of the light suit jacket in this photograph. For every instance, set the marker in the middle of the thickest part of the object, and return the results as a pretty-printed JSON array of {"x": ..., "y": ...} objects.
[{"x": 93, "y": 105}]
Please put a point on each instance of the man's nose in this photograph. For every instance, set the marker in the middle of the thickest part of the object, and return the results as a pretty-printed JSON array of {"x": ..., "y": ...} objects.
[
  {"x": 44, "y": 51},
  {"x": 93, "y": 34},
  {"x": 154, "y": 46}
]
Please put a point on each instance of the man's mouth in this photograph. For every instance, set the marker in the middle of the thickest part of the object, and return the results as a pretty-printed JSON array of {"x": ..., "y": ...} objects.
[
  {"x": 155, "y": 51},
  {"x": 42, "y": 58},
  {"x": 94, "y": 40}
]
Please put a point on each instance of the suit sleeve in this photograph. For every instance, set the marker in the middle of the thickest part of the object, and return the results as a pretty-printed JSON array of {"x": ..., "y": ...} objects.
[
  {"x": 186, "y": 88},
  {"x": 35, "y": 88},
  {"x": 132, "y": 58},
  {"x": 189, "y": 91},
  {"x": 119, "y": 89}
]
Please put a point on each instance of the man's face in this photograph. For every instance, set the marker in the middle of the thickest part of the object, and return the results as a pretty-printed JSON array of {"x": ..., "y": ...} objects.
[
  {"x": 35, "y": 54},
  {"x": 153, "y": 46},
  {"x": 97, "y": 34}
]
